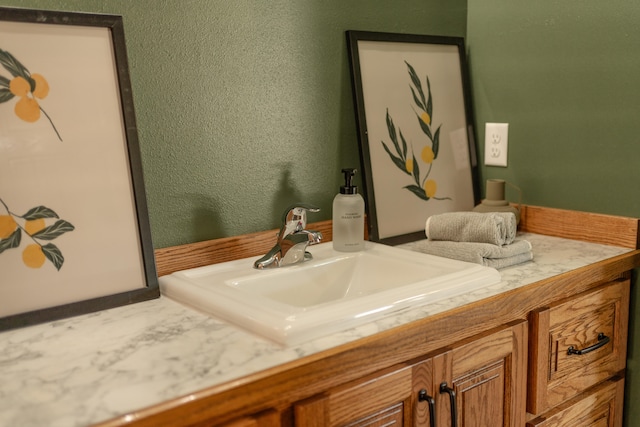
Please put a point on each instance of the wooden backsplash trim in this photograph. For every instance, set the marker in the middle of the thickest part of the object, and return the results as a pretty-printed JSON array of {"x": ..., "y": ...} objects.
[
  {"x": 176, "y": 258},
  {"x": 584, "y": 226}
]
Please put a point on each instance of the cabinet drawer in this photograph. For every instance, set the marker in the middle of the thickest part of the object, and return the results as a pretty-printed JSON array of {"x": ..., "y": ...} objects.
[
  {"x": 576, "y": 344},
  {"x": 598, "y": 407}
]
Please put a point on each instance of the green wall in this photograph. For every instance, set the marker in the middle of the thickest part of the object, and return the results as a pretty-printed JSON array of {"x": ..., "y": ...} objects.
[
  {"x": 564, "y": 75},
  {"x": 245, "y": 106}
]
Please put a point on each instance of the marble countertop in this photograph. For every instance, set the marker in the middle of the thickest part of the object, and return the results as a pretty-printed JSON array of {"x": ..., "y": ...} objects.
[{"x": 91, "y": 368}]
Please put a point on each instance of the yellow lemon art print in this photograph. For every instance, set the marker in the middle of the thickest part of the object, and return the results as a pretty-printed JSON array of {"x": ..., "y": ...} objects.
[{"x": 399, "y": 154}]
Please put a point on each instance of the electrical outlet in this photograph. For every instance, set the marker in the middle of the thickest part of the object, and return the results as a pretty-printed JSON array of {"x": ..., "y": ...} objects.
[{"x": 496, "y": 140}]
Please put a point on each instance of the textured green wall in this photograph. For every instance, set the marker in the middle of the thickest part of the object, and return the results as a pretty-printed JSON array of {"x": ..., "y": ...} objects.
[
  {"x": 245, "y": 106},
  {"x": 564, "y": 75}
]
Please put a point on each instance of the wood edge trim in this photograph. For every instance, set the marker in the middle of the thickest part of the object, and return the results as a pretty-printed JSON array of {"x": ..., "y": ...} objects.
[
  {"x": 538, "y": 359},
  {"x": 191, "y": 255},
  {"x": 584, "y": 226},
  {"x": 520, "y": 336}
]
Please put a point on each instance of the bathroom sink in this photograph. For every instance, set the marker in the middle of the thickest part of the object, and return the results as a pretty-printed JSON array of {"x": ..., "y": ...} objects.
[{"x": 333, "y": 292}]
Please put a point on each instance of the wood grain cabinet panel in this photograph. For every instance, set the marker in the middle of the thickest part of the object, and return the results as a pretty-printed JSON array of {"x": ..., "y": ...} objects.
[
  {"x": 381, "y": 399},
  {"x": 576, "y": 344},
  {"x": 600, "y": 406},
  {"x": 487, "y": 375},
  {"x": 270, "y": 418}
]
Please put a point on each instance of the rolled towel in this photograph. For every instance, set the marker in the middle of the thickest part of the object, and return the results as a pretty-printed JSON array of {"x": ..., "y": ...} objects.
[
  {"x": 480, "y": 253},
  {"x": 497, "y": 228}
]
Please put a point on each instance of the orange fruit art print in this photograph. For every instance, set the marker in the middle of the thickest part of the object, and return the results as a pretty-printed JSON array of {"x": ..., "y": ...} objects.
[
  {"x": 29, "y": 89},
  {"x": 37, "y": 226}
]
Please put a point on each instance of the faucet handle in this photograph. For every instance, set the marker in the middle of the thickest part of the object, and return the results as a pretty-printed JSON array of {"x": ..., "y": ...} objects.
[{"x": 294, "y": 218}]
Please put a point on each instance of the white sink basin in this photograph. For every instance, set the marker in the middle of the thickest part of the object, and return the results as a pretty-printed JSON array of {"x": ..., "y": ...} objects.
[{"x": 333, "y": 292}]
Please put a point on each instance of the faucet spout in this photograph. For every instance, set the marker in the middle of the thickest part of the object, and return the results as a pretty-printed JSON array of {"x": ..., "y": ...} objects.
[{"x": 293, "y": 239}]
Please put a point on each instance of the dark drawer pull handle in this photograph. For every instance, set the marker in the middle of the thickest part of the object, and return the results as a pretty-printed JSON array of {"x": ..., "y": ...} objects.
[
  {"x": 452, "y": 398},
  {"x": 602, "y": 341},
  {"x": 424, "y": 397}
]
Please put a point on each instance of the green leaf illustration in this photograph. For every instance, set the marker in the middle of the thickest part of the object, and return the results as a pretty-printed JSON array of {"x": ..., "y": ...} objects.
[
  {"x": 436, "y": 143},
  {"x": 429, "y": 102},
  {"x": 417, "y": 191},
  {"x": 416, "y": 100},
  {"x": 400, "y": 164},
  {"x": 53, "y": 254},
  {"x": 424, "y": 127},
  {"x": 14, "y": 66},
  {"x": 392, "y": 133},
  {"x": 51, "y": 232},
  {"x": 416, "y": 169},
  {"x": 5, "y": 95},
  {"x": 40, "y": 212},
  {"x": 13, "y": 241},
  {"x": 404, "y": 145},
  {"x": 416, "y": 82}
]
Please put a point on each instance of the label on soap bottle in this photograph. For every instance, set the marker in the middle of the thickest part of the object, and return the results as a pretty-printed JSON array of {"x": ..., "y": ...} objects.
[{"x": 348, "y": 223}]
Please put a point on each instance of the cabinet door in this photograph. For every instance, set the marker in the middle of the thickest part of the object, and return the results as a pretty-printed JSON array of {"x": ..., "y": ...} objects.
[
  {"x": 424, "y": 394},
  {"x": 488, "y": 376},
  {"x": 382, "y": 399},
  {"x": 598, "y": 407}
]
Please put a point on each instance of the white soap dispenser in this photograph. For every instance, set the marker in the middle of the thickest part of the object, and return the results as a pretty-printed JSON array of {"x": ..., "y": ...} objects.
[{"x": 348, "y": 216}]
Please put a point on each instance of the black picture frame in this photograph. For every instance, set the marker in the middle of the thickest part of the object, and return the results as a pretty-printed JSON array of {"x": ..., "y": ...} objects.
[
  {"x": 408, "y": 74},
  {"x": 144, "y": 282}
]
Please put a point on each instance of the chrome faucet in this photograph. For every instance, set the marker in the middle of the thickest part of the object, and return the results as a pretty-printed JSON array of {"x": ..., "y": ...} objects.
[{"x": 293, "y": 239}]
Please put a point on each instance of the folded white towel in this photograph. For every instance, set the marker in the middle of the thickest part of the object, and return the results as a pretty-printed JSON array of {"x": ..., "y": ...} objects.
[
  {"x": 497, "y": 228},
  {"x": 480, "y": 253}
]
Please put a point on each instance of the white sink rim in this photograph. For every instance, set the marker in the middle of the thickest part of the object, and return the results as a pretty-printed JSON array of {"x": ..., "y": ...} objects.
[{"x": 289, "y": 324}]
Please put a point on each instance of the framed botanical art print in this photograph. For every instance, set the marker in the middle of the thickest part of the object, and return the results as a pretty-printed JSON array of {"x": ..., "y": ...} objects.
[
  {"x": 74, "y": 228},
  {"x": 415, "y": 130}
]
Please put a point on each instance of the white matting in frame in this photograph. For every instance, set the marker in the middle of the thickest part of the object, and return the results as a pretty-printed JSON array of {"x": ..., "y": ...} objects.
[
  {"x": 415, "y": 130},
  {"x": 74, "y": 232}
]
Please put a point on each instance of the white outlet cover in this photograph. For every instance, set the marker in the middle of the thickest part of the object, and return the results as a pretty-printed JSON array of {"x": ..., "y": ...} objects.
[{"x": 496, "y": 144}]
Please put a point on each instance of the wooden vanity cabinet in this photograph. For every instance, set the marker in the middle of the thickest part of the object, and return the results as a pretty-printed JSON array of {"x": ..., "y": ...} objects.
[{"x": 483, "y": 378}]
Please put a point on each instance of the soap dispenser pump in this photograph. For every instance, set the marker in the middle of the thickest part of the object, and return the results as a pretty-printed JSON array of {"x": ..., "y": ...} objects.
[{"x": 348, "y": 216}]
